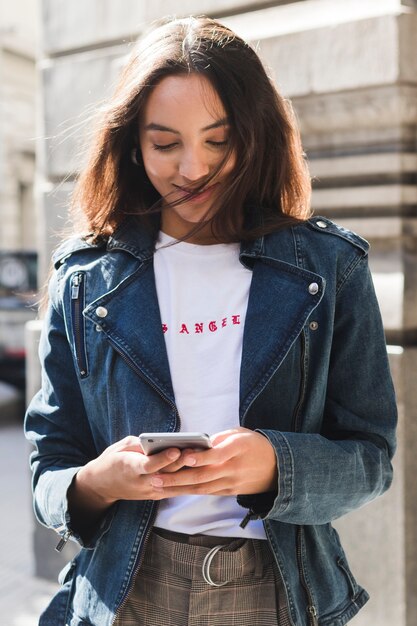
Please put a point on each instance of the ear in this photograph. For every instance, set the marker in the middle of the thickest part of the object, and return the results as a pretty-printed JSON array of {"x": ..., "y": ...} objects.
[{"x": 136, "y": 156}]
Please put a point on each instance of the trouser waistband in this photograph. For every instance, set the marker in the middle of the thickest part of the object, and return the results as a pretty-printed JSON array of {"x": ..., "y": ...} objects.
[{"x": 184, "y": 555}]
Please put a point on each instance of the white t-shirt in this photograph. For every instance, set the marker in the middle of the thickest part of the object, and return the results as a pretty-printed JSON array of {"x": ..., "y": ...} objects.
[{"x": 203, "y": 295}]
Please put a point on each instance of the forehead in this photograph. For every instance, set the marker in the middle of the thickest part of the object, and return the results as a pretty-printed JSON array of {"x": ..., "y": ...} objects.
[{"x": 184, "y": 95}]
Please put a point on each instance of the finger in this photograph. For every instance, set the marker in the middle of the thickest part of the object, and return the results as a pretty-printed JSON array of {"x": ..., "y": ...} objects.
[
  {"x": 214, "y": 456},
  {"x": 129, "y": 443},
  {"x": 187, "y": 459},
  {"x": 156, "y": 462},
  {"x": 214, "y": 487},
  {"x": 173, "y": 467},
  {"x": 187, "y": 477}
]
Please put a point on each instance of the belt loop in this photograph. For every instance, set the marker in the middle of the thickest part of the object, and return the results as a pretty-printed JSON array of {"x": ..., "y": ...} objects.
[{"x": 206, "y": 567}]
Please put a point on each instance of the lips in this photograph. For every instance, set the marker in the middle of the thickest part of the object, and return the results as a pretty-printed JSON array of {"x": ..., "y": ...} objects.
[{"x": 192, "y": 192}]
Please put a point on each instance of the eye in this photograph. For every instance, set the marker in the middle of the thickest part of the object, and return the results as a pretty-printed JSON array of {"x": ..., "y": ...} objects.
[
  {"x": 219, "y": 144},
  {"x": 167, "y": 146}
]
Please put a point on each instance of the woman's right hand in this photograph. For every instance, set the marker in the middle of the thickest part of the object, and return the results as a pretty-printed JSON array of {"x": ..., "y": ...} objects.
[{"x": 121, "y": 472}]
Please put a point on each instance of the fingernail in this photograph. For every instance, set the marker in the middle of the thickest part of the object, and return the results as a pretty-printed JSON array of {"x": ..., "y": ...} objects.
[
  {"x": 173, "y": 455},
  {"x": 157, "y": 482},
  {"x": 190, "y": 461}
]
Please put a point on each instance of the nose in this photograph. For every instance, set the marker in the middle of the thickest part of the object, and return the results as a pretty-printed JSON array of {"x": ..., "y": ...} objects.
[{"x": 193, "y": 165}]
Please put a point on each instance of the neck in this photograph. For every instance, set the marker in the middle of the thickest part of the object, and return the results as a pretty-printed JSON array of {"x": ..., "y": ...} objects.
[{"x": 199, "y": 233}]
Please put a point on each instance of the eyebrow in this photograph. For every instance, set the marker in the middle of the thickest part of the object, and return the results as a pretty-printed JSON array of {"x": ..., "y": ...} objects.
[{"x": 153, "y": 126}]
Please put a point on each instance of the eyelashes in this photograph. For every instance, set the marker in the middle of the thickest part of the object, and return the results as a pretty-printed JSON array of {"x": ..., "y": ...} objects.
[
  {"x": 219, "y": 143},
  {"x": 165, "y": 148},
  {"x": 171, "y": 146}
]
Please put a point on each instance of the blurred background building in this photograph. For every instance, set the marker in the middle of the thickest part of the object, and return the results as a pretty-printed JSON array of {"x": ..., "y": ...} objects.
[
  {"x": 18, "y": 89},
  {"x": 350, "y": 70},
  {"x": 18, "y": 240}
]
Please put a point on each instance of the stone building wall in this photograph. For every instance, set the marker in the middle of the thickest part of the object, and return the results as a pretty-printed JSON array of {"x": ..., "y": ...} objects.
[
  {"x": 18, "y": 84},
  {"x": 350, "y": 69}
]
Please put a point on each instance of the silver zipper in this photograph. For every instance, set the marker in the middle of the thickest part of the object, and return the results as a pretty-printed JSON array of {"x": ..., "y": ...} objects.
[
  {"x": 78, "y": 327},
  {"x": 155, "y": 504},
  {"x": 75, "y": 288},
  {"x": 250, "y": 515},
  {"x": 137, "y": 565},
  {"x": 295, "y": 424},
  {"x": 63, "y": 541},
  {"x": 311, "y": 610},
  {"x": 148, "y": 381}
]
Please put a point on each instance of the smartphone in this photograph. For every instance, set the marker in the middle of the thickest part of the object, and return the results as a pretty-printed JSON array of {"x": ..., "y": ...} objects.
[{"x": 156, "y": 442}]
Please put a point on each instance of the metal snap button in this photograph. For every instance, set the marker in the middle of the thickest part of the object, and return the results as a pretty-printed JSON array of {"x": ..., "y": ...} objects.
[
  {"x": 313, "y": 325},
  {"x": 98, "y": 328},
  {"x": 321, "y": 224},
  {"x": 101, "y": 311},
  {"x": 313, "y": 288}
]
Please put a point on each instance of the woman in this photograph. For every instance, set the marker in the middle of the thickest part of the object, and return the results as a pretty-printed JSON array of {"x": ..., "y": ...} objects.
[{"x": 202, "y": 296}]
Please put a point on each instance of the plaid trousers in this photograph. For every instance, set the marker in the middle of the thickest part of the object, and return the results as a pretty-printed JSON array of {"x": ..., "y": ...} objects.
[{"x": 171, "y": 590}]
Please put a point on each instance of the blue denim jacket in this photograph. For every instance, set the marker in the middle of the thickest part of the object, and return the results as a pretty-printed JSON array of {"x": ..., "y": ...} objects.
[{"x": 314, "y": 379}]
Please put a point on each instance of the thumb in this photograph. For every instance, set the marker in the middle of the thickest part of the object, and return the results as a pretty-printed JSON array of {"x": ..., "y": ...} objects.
[{"x": 225, "y": 434}]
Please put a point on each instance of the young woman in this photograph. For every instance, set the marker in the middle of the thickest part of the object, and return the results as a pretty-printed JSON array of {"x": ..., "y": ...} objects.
[{"x": 201, "y": 296}]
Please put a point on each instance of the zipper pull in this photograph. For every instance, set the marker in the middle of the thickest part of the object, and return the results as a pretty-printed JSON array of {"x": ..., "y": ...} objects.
[
  {"x": 76, "y": 281},
  {"x": 63, "y": 541},
  {"x": 311, "y": 610},
  {"x": 250, "y": 515}
]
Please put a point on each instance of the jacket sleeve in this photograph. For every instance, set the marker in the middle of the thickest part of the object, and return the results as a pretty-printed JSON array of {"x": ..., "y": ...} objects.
[
  {"x": 323, "y": 476},
  {"x": 57, "y": 425}
]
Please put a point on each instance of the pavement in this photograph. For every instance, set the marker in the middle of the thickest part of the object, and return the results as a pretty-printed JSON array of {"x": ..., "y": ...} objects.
[{"x": 22, "y": 595}]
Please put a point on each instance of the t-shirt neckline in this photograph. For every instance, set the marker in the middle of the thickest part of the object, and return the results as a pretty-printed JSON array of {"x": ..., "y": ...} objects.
[{"x": 167, "y": 241}]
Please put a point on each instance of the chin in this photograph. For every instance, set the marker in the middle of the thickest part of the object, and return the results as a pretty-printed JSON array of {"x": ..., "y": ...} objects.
[{"x": 195, "y": 217}]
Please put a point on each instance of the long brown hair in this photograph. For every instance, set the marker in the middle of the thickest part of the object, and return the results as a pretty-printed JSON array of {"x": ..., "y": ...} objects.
[{"x": 269, "y": 186}]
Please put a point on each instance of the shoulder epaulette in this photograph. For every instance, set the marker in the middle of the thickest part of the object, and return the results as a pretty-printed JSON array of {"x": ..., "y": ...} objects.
[{"x": 324, "y": 225}]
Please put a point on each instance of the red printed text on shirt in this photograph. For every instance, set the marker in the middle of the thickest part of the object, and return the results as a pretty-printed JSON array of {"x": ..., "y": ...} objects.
[{"x": 198, "y": 328}]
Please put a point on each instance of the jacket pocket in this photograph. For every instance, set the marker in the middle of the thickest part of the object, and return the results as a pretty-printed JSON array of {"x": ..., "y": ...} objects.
[{"x": 78, "y": 321}]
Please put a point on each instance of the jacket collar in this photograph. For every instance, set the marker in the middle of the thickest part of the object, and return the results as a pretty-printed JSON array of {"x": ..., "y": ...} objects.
[
  {"x": 140, "y": 242},
  {"x": 133, "y": 238}
]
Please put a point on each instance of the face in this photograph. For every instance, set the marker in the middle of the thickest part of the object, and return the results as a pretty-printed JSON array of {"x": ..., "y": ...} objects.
[{"x": 183, "y": 138}]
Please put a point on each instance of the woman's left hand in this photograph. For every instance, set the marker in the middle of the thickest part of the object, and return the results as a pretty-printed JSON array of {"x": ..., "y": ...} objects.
[{"x": 241, "y": 462}]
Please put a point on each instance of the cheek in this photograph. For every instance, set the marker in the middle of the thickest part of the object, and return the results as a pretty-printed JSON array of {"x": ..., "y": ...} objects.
[
  {"x": 230, "y": 164},
  {"x": 157, "y": 168}
]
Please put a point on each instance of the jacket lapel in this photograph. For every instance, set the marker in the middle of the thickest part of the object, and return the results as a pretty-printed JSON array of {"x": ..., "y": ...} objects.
[
  {"x": 129, "y": 316},
  {"x": 281, "y": 298}
]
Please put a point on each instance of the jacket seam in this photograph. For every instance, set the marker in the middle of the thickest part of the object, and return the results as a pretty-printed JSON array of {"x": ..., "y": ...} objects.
[
  {"x": 348, "y": 273},
  {"x": 348, "y": 612}
]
